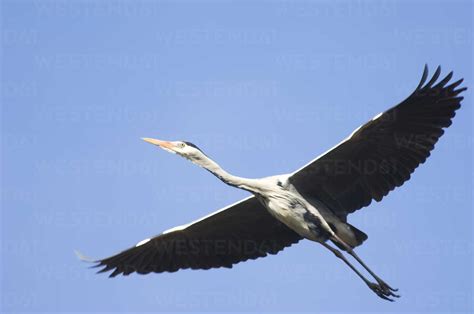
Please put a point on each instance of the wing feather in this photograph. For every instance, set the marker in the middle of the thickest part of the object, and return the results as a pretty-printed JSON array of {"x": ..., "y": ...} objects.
[
  {"x": 239, "y": 232},
  {"x": 382, "y": 154}
]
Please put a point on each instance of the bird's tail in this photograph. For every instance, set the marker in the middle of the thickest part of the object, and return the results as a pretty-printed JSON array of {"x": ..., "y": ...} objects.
[
  {"x": 350, "y": 235},
  {"x": 359, "y": 235}
]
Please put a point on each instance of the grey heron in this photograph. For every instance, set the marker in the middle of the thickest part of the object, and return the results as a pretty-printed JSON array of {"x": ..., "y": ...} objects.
[{"x": 311, "y": 203}]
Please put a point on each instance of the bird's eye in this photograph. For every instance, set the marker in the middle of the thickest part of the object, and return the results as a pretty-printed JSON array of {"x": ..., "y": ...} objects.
[{"x": 182, "y": 145}]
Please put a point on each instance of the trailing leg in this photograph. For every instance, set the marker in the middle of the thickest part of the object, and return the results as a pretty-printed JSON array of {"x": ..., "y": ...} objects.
[
  {"x": 378, "y": 289},
  {"x": 387, "y": 289}
]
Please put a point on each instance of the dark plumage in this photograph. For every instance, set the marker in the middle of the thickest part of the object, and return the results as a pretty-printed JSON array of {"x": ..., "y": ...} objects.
[
  {"x": 382, "y": 154},
  {"x": 244, "y": 231},
  {"x": 192, "y": 145}
]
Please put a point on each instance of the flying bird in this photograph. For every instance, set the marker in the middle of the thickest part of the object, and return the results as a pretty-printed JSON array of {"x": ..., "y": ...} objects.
[{"x": 311, "y": 203}]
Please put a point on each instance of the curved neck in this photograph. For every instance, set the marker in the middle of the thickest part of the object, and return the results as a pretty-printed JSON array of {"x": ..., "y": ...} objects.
[{"x": 210, "y": 165}]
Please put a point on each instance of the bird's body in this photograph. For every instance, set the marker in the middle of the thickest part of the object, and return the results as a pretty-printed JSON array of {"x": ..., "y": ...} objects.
[
  {"x": 312, "y": 202},
  {"x": 285, "y": 203}
]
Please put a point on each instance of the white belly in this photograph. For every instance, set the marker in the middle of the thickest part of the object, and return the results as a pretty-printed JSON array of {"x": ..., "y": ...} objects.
[{"x": 293, "y": 214}]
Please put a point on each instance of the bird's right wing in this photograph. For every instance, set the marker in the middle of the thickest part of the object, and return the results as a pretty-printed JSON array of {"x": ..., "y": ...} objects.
[{"x": 241, "y": 231}]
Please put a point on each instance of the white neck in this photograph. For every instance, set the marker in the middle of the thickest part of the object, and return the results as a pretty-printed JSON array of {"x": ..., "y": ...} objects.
[{"x": 250, "y": 185}]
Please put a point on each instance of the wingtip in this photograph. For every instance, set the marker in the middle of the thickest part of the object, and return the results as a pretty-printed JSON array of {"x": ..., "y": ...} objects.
[
  {"x": 84, "y": 258},
  {"x": 424, "y": 76},
  {"x": 426, "y": 69},
  {"x": 434, "y": 78}
]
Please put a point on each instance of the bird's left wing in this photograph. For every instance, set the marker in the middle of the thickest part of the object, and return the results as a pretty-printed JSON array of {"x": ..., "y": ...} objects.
[
  {"x": 244, "y": 230},
  {"x": 381, "y": 154}
]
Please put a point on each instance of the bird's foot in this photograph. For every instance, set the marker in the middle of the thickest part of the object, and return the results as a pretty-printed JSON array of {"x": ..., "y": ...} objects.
[
  {"x": 383, "y": 290},
  {"x": 386, "y": 287}
]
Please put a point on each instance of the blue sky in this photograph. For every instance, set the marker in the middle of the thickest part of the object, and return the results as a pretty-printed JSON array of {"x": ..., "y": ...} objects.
[{"x": 262, "y": 87}]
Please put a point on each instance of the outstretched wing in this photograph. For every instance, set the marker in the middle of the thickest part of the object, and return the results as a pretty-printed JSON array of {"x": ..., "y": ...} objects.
[
  {"x": 244, "y": 230},
  {"x": 383, "y": 153}
]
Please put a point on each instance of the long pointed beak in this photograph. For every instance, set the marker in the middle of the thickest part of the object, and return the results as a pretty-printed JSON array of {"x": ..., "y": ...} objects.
[{"x": 163, "y": 144}]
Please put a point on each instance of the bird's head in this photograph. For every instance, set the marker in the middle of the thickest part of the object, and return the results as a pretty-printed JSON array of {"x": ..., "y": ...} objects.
[{"x": 185, "y": 149}]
